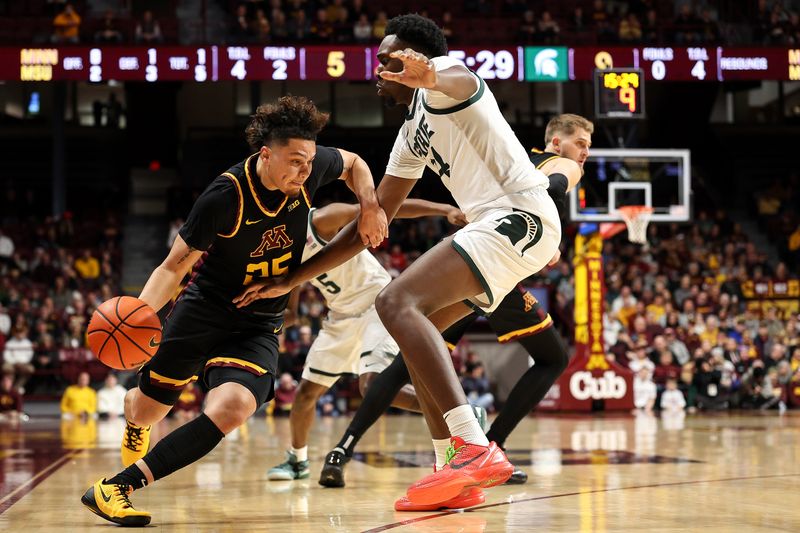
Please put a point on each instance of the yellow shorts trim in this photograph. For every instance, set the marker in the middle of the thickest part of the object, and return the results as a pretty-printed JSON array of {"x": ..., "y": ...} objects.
[
  {"x": 234, "y": 362},
  {"x": 546, "y": 323}
]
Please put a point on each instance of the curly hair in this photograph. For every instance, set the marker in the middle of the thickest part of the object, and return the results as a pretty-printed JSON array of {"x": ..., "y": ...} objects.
[
  {"x": 291, "y": 117},
  {"x": 421, "y": 33}
]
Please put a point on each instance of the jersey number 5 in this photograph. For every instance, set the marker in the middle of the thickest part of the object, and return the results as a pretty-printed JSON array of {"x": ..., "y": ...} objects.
[
  {"x": 330, "y": 286},
  {"x": 262, "y": 269}
]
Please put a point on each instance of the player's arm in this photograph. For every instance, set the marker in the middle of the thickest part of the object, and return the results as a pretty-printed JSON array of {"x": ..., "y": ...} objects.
[
  {"x": 330, "y": 219},
  {"x": 372, "y": 223},
  {"x": 567, "y": 167},
  {"x": 455, "y": 82},
  {"x": 416, "y": 208},
  {"x": 290, "y": 313},
  {"x": 167, "y": 276},
  {"x": 391, "y": 193}
]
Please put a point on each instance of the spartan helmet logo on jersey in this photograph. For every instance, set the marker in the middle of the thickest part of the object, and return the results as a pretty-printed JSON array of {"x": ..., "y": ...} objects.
[{"x": 523, "y": 229}]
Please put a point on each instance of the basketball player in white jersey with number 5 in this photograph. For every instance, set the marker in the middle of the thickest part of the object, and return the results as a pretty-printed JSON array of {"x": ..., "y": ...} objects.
[{"x": 455, "y": 128}]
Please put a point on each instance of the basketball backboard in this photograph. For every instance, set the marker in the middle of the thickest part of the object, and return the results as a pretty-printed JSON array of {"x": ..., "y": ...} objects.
[{"x": 617, "y": 177}]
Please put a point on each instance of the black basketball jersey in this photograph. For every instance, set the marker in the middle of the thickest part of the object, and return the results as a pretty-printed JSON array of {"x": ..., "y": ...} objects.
[
  {"x": 539, "y": 158},
  {"x": 250, "y": 232}
]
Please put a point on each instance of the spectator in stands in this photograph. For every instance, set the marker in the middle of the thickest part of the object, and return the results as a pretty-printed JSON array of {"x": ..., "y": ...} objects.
[
  {"x": 644, "y": 391},
  {"x": 447, "y": 26},
  {"x": 111, "y": 398},
  {"x": 326, "y": 404},
  {"x": 299, "y": 27},
  {"x": 578, "y": 20},
  {"x": 189, "y": 403},
  {"x": 285, "y": 393},
  {"x": 108, "y": 33},
  {"x": 148, "y": 31},
  {"x": 672, "y": 399},
  {"x": 263, "y": 29},
  {"x": 528, "y": 29},
  {"x": 709, "y": 29},
  {"x": 45, "y": 364},
  {"x": 686, "y": 25},
  {"x": 5, "y": 322},
  {"x": 548, "y": 28},
  {"x": 322, "y": 29},
  {"x": 79, "y": 400},
  {"x": 10, "y": 399},
  {"x": 476, "y": 386},
  {"x": 601, "y": 21},
  {"x": 87, "y": 266},
  {"x": 280, "y": 31},
  {"x": 114, "y": 111},
  {"x": 18, "y": 357},
  {"x": 362, "y": 30},
  {"x": 66, "y": 26},
  {"x": 630, "y": 29},
  {"x": 776, "y": 354},
  {"x": 6, "y": 249},
  {"x": 240, "y": 28},
  {"x": 707, "y": 383},
  {"x": 379, "y": 26}
]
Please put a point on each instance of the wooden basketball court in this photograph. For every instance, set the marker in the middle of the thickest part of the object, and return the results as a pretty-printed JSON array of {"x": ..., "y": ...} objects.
[{"x": 730, "y": 472}]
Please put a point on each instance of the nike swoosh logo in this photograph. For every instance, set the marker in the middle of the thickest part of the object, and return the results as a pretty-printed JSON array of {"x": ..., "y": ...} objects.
[
  {"x": 103, "y": 494},
  {"x": 465, "y": 463},
  {"x": 153, "y": 343},
  {"x": 249, "y": 222},
  {"x": 278, "y": 329}
]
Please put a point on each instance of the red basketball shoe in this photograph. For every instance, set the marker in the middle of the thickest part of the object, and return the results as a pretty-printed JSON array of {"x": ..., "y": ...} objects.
[
  {"x": 467, "y": 498},
  {"x": 468, "y": 465}
]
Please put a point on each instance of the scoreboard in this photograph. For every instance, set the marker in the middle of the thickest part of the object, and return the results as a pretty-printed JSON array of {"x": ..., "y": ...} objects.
[{"x": 328, "y": 63}]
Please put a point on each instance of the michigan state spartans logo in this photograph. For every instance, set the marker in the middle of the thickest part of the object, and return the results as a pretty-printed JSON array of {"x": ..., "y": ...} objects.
[{"x": 523, "y": 229}]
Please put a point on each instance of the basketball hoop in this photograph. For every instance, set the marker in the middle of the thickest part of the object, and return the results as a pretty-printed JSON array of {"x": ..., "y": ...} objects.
[{"x": 636, "y": 217}]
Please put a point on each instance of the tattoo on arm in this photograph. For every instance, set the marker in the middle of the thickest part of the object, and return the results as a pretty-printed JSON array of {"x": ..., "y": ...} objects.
[{"x": 186, "y": 255}]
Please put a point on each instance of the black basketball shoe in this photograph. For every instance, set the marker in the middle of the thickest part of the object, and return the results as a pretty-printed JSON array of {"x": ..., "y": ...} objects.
[{"x": 333, "y": 472}]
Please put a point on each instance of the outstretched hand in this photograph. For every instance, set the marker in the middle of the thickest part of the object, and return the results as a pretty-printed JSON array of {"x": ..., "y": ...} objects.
[
  {"x": 266, "y": 288},
  {"x": 418, "y": 70}
]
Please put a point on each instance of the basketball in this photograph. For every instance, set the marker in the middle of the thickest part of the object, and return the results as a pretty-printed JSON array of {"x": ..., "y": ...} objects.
[{"x": 124, "y": 332}]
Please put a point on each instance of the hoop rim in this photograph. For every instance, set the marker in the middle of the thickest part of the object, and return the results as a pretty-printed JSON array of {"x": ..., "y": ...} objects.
[{"x": 629, "y": 212}]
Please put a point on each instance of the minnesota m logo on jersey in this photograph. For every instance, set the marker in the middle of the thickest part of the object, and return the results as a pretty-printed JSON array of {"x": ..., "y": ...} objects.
[
  {"x": 273, "y": 238},
  {"x": 523, "y": 229}
]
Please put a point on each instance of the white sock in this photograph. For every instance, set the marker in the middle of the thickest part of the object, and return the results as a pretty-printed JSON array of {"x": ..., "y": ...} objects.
[
  {"x": 440, "y": 447},
  {"x": 300, "y": 453},
  {"x": 462, "y": 423}
]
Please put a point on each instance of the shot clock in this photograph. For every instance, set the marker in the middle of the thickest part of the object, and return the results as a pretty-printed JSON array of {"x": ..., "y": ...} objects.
[{"x": 619, "y": 93}]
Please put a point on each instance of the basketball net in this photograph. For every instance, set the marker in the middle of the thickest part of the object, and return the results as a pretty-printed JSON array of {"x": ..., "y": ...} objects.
[{"x": 636, "y": 217}]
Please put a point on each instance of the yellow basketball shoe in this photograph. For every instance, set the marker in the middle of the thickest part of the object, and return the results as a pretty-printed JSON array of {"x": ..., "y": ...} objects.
[
  {"x": 135, "y": 443},
  {"x": 111, "y": 502}
]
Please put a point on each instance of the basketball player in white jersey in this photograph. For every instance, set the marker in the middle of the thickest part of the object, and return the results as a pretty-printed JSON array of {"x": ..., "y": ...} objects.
[
  {"x": 352, "y": 340},
  {"x": 455, "y": 128}
]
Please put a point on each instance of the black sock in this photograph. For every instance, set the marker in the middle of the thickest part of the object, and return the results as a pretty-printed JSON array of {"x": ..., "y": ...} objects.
[
  {"x": 132, "y": 476},
  {"x": 183, "y": 446},
  {"x": 380, "y": 394},
  {"x": 550, "y": 354}
]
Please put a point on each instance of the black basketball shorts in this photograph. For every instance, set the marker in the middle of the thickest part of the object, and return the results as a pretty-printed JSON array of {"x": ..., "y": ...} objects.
[
  {"x": 518, "y": 315},
  {"x": 216, "y": 343}
]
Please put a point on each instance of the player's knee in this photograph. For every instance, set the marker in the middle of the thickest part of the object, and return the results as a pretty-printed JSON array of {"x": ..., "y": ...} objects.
[
  {"x": 231, "y": 410},
  {"x": 308, "y": 393},
  {"x": 391, "y": 304},
  {"x": 365, "y": 381},
  {"x": 141, "y": 410}
]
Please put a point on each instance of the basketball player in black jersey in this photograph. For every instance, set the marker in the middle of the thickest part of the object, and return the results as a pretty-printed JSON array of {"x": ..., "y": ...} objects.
[
  {"x": 249, "y": 223},
  {"x": 519, "y": 318}
]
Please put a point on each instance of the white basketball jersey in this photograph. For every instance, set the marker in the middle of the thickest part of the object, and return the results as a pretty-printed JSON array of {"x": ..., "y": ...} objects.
[
  {"x": 350, "y": 288},
  {"x": 468, "y": 144}
]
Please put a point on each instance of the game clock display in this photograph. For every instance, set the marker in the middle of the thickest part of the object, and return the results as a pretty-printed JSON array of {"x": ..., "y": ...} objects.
[
  {"x": 354, "y": 63},
  {"x": 619, "y": 93}
]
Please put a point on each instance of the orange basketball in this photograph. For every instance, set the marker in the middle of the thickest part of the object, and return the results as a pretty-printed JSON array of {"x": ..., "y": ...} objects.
[{"x": 124, "y": 332}]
